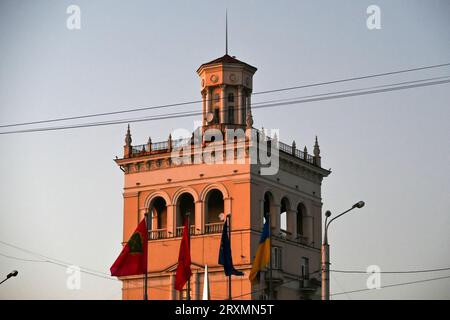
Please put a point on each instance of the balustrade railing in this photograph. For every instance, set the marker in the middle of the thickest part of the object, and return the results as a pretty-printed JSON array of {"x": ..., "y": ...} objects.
[
  {"x": 213, "y": 227},
  {"x": 157, "y": 234},
  {"x": 179, "y": 231},
  {"x": 139, "y": 150}
]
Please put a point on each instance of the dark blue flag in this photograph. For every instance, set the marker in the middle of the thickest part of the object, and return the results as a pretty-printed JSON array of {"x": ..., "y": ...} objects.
[{"x": 225, "y": 258}]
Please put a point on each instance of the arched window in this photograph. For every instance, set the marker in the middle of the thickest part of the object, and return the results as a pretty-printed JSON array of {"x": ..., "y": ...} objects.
[
  {"x": 214, "y": 207},
  {"x": 185, "y": 204},
  {"x": 158, "y": 218},
  {"x": 267, "y": 208},
  {"x": 301, "y": 212},
  {"x": 283, "y": 214}
]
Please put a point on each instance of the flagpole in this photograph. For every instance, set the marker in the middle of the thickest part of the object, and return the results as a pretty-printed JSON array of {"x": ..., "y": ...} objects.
[
  {"x": 229, "y": 239},
  {"x": 188, "y": 296},
  {"x": 146, "y": 269},
  {"x": 270, "y": 257}
]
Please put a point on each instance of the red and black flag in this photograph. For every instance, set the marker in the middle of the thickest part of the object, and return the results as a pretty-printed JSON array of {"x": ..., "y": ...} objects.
[
  {"x": 133, "y": 258},
  {"x": 183, "y": 273}
]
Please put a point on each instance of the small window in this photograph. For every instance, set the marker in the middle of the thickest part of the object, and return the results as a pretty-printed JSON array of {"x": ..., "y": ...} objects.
[
  {"x": 304, "y": 268},
  {"x": 230, "y": 114},
  {"x": 276, "y": 258},
  {"x": 216, "y": 115},
  {"x": 231, "y": 97}
]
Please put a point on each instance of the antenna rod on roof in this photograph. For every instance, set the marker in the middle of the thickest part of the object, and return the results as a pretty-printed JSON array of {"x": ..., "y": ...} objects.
[{"x": 226, "y": 31}]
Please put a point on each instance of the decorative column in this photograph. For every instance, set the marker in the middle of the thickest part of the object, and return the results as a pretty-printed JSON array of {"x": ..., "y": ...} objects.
[
  {"x": 196, "y": 285},
  {"x": 223, "y": 103},
  {"x": 171, "y": 220},
  {"x": 248, "y": 103},
  {"x": 173, "y": 292},
  {"x": 260, "y": 224},
  {"x": 308, "y": 223},
  {"x": 204, "y": 111},
  {"x": 227, "y": 205},
  {"x": 208, "y": 100},
  {"x": 275, "y": 218},
  {"x": 240, "y": 106},
  {"x": 199, "y": 217},
  {"x": 292, "y": 223}
]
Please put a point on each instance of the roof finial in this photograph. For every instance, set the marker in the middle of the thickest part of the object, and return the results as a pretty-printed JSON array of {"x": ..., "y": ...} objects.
[{"x": 226, "y": 31}]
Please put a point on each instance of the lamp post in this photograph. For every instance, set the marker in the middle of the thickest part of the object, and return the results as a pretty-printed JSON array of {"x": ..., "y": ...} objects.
[
  {"x": 326, "y": 251},
  {"x": 11, "y": 274}
]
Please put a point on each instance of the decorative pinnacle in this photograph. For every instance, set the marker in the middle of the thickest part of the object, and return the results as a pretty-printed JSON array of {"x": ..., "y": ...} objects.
[
  {"x": 128, "y": 139},
  {"x": 316, "y": 148}
]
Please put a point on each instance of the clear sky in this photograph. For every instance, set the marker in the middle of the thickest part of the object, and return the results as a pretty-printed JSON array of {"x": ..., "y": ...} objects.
[{"x": 61, "y": 192}]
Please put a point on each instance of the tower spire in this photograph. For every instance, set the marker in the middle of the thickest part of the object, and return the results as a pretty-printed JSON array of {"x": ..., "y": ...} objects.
[{"x": 226, "y": 31}]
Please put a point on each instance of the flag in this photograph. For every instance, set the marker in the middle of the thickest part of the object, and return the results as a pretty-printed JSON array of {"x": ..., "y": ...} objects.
[
  {"x": 183, "y": 273},
  {"x": 206, "y": 295},
  {"x": 133, "y": 258},
  {"x": 262, "y": 257},
  {"x": 225, "y": 257}
]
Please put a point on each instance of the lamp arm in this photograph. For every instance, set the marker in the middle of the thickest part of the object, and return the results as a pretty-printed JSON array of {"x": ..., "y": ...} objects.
[{"x": 327, "y": 224}]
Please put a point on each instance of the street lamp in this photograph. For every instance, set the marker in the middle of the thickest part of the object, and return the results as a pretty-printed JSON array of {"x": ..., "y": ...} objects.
[
  {"x": 11, "y": 274},
  {"x": 326, "y": 251}
]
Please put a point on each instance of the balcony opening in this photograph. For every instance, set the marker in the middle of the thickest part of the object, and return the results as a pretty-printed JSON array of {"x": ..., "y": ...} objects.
[
  {"x": 158, "y": 218},
  {"x": 301, "y": 214},
  {"x": 214, "y": 207},
  {"x": 283, "y": 215},
  {"x": 185, "y": 204},
  {"x": 268, "y": 204}
]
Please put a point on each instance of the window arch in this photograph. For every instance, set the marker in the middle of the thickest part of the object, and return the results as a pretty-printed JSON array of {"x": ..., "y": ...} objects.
[
  {"x": 214, "y": 206},
  {"x": 185, "y": 204},
  {"x": 283, "y": 214},
  {"x": 158, "y": 218},
  {"x": 301, "y": 214},
  {"x": 267, "y": 207},
  {"x": 159, "y": 209}
]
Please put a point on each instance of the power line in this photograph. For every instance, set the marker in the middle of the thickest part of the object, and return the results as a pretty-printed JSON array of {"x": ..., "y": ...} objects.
[
  {"x": 199, "y": 101},
  {"x": 392, "y": 285},
  {"x": 61, "y": 263},
  {"x": 49, "y": 259},
  {"x": 392, "y": 272},
  {"x": 20, "y": 259},
  {"x": 58, "y": 264},
  {"x": 313, "y": 98}
]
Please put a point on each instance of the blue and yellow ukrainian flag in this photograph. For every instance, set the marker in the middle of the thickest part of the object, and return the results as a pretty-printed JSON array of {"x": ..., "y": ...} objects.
[{"x": 262, "y": 257}]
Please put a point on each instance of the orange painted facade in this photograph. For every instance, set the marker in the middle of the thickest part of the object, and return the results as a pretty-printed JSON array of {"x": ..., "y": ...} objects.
[{"x": 156, "y": 184}]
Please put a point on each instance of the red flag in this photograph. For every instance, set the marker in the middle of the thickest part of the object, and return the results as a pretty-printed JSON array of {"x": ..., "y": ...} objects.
[
  {"x": 183, "y": 273},
  {"x": 133, "y": 258}
]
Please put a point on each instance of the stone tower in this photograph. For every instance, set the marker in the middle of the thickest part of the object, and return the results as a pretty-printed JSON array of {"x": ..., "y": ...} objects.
[{"x": 156, "y": 182}]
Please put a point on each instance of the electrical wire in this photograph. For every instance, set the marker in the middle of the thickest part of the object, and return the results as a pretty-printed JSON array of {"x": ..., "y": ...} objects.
[
  {"x": 392, "y": 285},
  {"x": 342, "y": 80},
  {"x": 392, "y": 272},
  {"x": 306, "y": 99}
]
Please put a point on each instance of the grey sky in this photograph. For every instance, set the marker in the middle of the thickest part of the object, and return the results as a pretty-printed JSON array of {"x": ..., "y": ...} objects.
[{"x": 61, "y": 191}]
